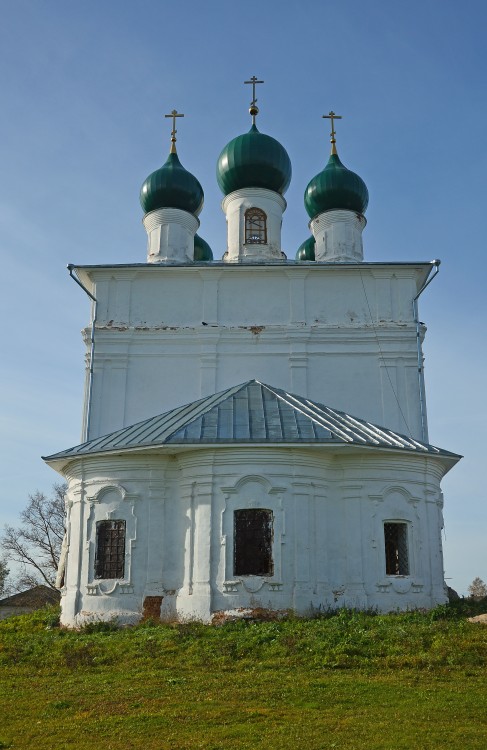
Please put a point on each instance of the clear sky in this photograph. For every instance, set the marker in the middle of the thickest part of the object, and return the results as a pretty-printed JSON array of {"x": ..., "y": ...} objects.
[{"x": 84, "y": 87}]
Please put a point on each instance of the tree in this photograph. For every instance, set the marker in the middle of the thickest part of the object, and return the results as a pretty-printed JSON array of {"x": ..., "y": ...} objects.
[
  {"x": 4, "y": 571},
  {"x": 477, "y": 589},
  {"x": 35, "y": 545}
]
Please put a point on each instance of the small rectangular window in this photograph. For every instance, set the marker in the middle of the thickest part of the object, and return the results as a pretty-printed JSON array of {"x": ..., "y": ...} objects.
[
  {"x": 253, "y": 542},
  {"x": 396, "y": 549},
  {"x": 110, "y": 549}
]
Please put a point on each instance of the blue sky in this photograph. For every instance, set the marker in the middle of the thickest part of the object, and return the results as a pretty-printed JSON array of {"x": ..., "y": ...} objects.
[{"x": 84, "y": 90}]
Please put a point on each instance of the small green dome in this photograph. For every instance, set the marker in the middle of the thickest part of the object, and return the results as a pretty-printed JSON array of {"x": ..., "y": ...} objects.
[
  {"x": 253, "y": 160},
  {"x": 202, "y": 250},
  {"x": 336, "y": 187},
  {"x": 306, "y": 251},
  {"x": 172, "y": 186}
]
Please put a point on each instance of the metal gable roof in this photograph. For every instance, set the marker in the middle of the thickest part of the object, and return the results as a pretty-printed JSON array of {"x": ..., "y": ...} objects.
[{"x": 251, "y": 412}]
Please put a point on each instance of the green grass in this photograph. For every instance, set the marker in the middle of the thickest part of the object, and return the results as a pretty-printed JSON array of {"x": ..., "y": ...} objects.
[{"x": 351, "y": 680}]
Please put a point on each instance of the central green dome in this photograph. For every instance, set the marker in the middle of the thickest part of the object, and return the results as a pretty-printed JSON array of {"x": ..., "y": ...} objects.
[
  {"x": 253, "y": 160},
  {"x": 336, "y": 187},
  {"x": 172, "y": 186}
]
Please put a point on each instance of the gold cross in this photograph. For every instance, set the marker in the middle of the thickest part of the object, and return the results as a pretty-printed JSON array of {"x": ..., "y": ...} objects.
[
  {"x": 332, "y": 116},
  {"x": 173, "y": 114},
  {"x": 253, "y": 109}
]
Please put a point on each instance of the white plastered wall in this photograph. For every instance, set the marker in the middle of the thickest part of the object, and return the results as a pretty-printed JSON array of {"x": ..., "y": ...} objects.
[
  {"x": 340, "y": 334},
  {"x": 170, "y": 235},
  {"x": 338, "y": 236},
  {"x": 329, "y": 510}
]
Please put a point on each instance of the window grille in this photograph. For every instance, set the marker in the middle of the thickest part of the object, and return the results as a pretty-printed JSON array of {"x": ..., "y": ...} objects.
[
  {"x": 253, "y": 542},
  {"x": 396, "y": 549},
  {"x": 255, "y": 227},
  {"x": 110, "y": 549}
]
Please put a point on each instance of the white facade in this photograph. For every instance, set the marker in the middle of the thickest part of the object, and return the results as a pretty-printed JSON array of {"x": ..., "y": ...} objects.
[
  {"x": 167, "y": 335},
  {"x": 341, "y": 334},
  {"x": 329, "y": 511},
  {"x": 347, "y": 520}
]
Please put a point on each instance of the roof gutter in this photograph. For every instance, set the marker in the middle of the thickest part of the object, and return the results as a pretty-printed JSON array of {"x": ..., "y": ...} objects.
[
  {"x": 434, "y": 266},
  {"x": 87, "y": 414}
]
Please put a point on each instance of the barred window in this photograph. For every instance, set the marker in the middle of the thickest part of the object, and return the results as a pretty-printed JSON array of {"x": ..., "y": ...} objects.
[
  {"x": 253, "y": 542},
  {"x": 110, "y": 549},
  {"x": 396, "y": 549},
  {"x": 255, "y": 227}
]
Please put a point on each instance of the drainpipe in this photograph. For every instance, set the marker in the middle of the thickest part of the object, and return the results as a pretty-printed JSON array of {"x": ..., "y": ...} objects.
[
  {"x": 422, "y": 397},
  {"x": 86, "y": 431}
]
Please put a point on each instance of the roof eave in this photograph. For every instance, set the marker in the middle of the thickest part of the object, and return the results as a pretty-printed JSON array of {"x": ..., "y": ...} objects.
[{"x": 60, "y": 462}]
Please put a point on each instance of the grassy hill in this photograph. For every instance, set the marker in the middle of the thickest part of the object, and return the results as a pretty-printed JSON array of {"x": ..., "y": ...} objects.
[{"x": 349, "y": 680}]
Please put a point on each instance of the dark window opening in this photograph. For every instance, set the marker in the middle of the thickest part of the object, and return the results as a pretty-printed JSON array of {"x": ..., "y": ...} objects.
[
  {"x": 253, "y": 543},
  {"x": 255, "y": 227},
  {"x": 110, "y": 549},
  {"x": 396, "y": 549}
]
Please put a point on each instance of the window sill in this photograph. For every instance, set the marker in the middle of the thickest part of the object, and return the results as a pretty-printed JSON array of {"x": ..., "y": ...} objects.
[
  {"x": 251, "y": 584},
  {"x": 105, "y": 586}
]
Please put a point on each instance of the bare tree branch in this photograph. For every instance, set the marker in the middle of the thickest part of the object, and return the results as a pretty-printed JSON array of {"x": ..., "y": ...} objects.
[
  {"x": 36, "y": 544},
  {"x": 4, "y": 571}
]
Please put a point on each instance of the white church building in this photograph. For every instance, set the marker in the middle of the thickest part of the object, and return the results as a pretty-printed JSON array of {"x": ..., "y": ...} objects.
[{"x": 255, "y": 429}]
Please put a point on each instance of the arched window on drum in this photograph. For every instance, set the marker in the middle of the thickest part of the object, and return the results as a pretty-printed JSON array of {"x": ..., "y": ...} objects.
[{"x": 255, "y": 227}]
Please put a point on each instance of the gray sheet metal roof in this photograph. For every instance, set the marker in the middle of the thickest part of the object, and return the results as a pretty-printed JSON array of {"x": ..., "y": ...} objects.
[{"x": 252, "y": 412}]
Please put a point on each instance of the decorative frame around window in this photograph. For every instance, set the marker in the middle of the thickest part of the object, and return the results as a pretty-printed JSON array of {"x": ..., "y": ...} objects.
[
  {"x": 255, "y": 227},
  {"x": 110, "y": 549},
  {"x": 249, "y": 492},
  {"x": 396, "y": 548}
]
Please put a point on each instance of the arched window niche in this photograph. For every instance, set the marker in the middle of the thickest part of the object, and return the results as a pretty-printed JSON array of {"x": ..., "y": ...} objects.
[
  {"x": 111, "y": 532},
  {"x": 396, "y": 548},
  {"x": 255, "y": 227},
  {"x": 252, "y": 530},
  {"x": 253, "y": 537},
  {"x": 110, "y": 549}
]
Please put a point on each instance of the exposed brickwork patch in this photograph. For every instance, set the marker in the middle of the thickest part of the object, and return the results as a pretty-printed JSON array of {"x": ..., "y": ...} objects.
[{"x": 152, "y": 608}]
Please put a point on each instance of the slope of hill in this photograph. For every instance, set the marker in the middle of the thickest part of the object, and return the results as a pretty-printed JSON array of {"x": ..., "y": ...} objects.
[{"x": 348, "y": 680}]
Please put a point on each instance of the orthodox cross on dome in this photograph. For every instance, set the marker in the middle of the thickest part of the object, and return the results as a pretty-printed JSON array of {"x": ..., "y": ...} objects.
[
  {"x": 332, "y": 116},
  {"x": 173, "y": 114},
  {"x": 253, "y": 109}
]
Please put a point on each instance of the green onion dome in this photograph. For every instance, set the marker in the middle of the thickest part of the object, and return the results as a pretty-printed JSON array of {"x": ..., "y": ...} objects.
[
  {"x": 336, "y": 187},
  {"x": 202, "y": 250},
  {"x": 306, "y": 251},
  {"x": 253, "y": 160},
  {"x": 172, "y": 186}
]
